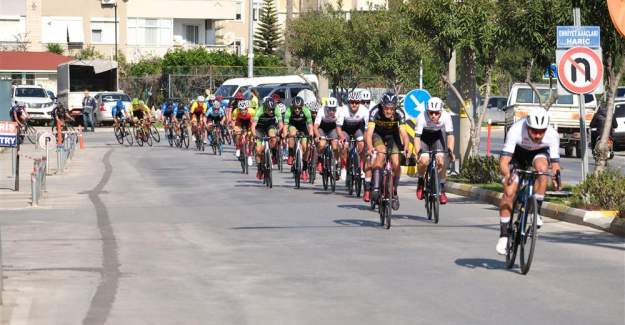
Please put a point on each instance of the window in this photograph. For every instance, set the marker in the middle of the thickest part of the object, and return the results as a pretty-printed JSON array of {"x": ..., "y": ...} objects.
[
  {"x": 62, "y": 30},
  {"x": 96, "y": 35},
  {"x": 191, "y": 34},
  {"x": 257, "y": 11},
  {"x": 238, "y": 14},
  {"x": 525, "y": 96},
  {"x": 11, "y": 27},
  {"x": 150, "y": 31}
]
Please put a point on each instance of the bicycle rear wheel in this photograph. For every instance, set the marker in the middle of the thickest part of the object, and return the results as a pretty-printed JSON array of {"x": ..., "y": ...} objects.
[
  {"x": 138, "y": 134},
  {"x": 297, "y": 170},
  {"x": 332, "y": 171},
  {"x": 528, "y": 239},
  {"x": 312, "y": 163},
  {"x": 243, "y": 157},
  {"x": 184, "y": 137},
  {"x": 268, "y": 167}
]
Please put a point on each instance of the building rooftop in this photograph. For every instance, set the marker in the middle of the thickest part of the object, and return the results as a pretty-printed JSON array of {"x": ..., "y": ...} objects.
[{"x": 31, "y": 61}]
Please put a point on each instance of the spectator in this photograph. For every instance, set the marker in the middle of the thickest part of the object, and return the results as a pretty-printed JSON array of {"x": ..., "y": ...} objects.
[{"x": 88, "y": 108}]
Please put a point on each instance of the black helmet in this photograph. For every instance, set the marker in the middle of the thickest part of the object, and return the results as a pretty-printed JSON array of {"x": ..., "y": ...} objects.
[
  {"x": 389, "y": 99},
  {"x": 269, "y": 104},
  {"x": 298, "y": 102}
]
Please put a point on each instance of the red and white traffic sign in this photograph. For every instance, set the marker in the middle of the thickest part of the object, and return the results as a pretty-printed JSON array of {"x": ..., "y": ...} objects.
[{"x": 580, "y": 70}]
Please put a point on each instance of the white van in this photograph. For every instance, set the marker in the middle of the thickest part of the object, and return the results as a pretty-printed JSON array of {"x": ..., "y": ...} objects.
[{"x": 232, "y": 86}]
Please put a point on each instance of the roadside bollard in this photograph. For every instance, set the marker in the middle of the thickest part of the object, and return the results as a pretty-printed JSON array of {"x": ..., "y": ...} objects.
[
  {"x": 33, "y": 189},
  {"x": 488, "y": 139},
  {"x": 81, "y": 138}
]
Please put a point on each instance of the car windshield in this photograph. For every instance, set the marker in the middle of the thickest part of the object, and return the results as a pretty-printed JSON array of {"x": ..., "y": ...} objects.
[
  {"x": 620, "y": 92},
  {"x": 115, "y": 97},
  {"x": 263, "y": 91},
  {"x": 226, "y": 90},
  {"x": 30, "y": 92},
  {"x": 619, "y": 111}
]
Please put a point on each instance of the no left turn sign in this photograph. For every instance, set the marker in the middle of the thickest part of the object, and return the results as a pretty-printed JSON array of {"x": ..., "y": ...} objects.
[{"x": 580, "y": 70}]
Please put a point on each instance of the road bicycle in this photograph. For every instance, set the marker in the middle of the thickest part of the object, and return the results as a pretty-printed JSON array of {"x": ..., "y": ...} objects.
[
  {"x": 431, "y": 187},
  {"x": 156, "y": 136},
  {"x": 182, "y": 140},
  {"x": 169, "y": 131},
  {"x": 266, "y": 165},
  {"x": 387, "y": 192},
  {"x": 313, "y": 156},
  {"x": 329, "y": 166},
  {"x": 122, "y": 131},
  {"x": 142, "y": 134},
  {"x": 523, "y": 229},
  {"x": 245, "y": 148},
  {"x": 298, "y": 161},
  {"x": 198, "y": 132},
  {"x": 216, "y": 140},
  {"x": 28, "y": 132},
  {"x": 353, "y": 179}
]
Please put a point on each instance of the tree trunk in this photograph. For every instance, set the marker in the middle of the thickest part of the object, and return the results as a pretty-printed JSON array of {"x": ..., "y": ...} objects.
[
  {"x": 614, "y": 79},
  {"x": 476, "y": 128},
  {"x": 289, "y": 18}
]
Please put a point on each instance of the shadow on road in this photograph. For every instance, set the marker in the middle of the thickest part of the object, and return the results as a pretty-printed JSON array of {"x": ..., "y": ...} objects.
[
  {"x": 485, "y": 263},
  {"x": 357, "y": 222},
  {"x": 361, "y": 207},
  {"x": 604, "y": 240}
]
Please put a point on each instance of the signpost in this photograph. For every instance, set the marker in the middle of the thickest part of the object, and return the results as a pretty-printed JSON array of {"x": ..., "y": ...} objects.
[
  {"x": 8, "y": 138},
  {"x": 580, "y": 70}
]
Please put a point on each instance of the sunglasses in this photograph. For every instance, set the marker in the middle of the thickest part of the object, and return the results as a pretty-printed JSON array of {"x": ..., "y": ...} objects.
[
  {"x": 353, "y": 102},
  {"x": 434, "y": 113},
  {"x": 536, "y": 131}
]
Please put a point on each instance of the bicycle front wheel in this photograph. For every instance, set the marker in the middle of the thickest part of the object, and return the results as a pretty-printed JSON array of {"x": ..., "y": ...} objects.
[
  {"x": 435, "y": 201},
  {"x": 119, "y": 134},
  {"x": 513, "y": 237},
  {"x": 268, "y": 167},
  {"x": 155, "y": 134},
  {"x": 388, "y": 184},
  {"x": 128, "y": 135},
  {"x": 528, "y": 237},
  {"x": 138, "y": 135}
]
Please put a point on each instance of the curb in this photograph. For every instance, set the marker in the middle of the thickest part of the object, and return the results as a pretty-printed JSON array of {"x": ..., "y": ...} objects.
[{"x": 601, "y": 220}]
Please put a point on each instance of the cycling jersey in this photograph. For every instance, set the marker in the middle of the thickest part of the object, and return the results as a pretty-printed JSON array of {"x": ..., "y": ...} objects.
[
  {"x": 118, "y": 110},
  {"x": 243, "y": 118},
  {"x": 324, "y": 122},
  {"x": 518, "y": 137},
  {"x": 168, "y": 109},
  {"x": 352, "y": 122},
  {"x": 265, "y": 121},
  {"x": 140, "y": 110},
  {"x": 179, "y": 111},
  {"x": 216, "y": 117},
  {"x": 426, "y": 125},
  {"x": 198, "y": 108},
  {"x": 18, "y": 110},
  {"x": 384, "y": 126},
  {"x": 299, "y": 121}
]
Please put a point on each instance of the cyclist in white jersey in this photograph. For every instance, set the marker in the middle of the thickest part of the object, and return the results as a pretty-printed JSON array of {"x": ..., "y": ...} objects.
[
  {"x": 434, "y": 131},
  {"x": 529, "y": 143},
  {"x": 352, "y": 122}
]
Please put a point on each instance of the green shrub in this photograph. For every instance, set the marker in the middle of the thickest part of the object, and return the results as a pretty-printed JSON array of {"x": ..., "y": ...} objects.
[
  {"x": 480, "y": 170},
  {"x": 55, "y": 48},
  {"x": 604, "y": 190}
]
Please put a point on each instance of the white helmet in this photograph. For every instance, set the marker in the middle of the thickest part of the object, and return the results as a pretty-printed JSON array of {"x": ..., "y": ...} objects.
[
  {"x": 365, "y": 96},
  {"x": 331, "y": 103},
  {"x": 435, "y": 104},
  {"x": 538, "y": 119},
  {"x": 353, "y": 97},
  {"x": 200, "y": 98}
]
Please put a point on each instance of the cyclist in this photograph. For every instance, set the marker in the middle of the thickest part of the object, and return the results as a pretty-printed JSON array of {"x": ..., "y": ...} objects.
[
  {"x": 352, "y": 123},
  {"x": 119, "y": 112},
  {"x": 434, "y": 131},
  {"x": 325, "y": 127},
  {"x": 167, "y": 109},
  {"x": 267, "y": 122},
  {"x": 60, "y": 114},
  {"x": 242, "y": 121},
  {"x": 530, "y": 142},
  {"x": 181, "y": 113},
  {"x": 365, "y": 98},
  {"x": 216, "y": 116},
  {"x": 298, "y": 120},
  {"x": 140, "y": 112},
  {"x": 198, "y": 120},
  {"x": 386, "y": 126},
  {"x": 18, "y": 113}
]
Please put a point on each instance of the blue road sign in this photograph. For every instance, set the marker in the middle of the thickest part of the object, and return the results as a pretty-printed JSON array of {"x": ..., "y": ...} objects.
[
  {"x": 415, "y": 102},
  {"x": 576, "y": 36}
]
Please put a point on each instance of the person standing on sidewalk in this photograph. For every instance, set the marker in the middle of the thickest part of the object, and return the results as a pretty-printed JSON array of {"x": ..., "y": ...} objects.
[{"x": 88, "y": 108}]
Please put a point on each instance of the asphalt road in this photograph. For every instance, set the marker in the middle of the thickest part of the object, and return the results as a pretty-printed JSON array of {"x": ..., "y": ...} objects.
[
  {"x": 166, "y": 236},
  {"x": 571, "y": 167}
]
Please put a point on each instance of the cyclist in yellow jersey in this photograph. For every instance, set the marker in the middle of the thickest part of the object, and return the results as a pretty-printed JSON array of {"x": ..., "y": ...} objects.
[
  {"x": 198, "y": 112},
  {"x": 140, "y": 111}
]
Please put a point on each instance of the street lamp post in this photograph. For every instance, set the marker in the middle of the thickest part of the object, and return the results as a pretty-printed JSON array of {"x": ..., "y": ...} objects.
[
  {"x": 250, "y": 38},
  {"x": 115, "y": 4}
]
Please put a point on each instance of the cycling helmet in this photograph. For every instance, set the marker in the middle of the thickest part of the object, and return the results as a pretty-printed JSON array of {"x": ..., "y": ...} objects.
[
  {"x": 353, "y": 97},
  {"x": 200, "y": 98},
  {"x": 389, "y": 99},
  {"x": 298, "y": 102},
  {"x": 135, "y": 101},
  {"x": 211, "y": 98},
  {"x": 313, "y": 106},
  {"x": 238, "y": 96},
  {"x": 538, "y": 119},
  {"x": 435, "y": 104},
  {"x": 269, "y": 104},
  {"x": 244, "y": 104},
  {"x": 365, "y": 96},
  {"x": 331, "y": 105}
]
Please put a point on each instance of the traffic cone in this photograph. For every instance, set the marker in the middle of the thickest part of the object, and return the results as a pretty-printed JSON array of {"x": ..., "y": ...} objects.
[{"x": 81, "y": 139}]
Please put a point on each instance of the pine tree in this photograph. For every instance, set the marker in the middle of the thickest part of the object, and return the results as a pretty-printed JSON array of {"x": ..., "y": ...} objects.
[{"x": 267, "y": 38}]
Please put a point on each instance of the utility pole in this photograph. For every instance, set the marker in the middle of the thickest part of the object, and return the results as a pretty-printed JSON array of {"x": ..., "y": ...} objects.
[
  {"x": 250, "y": 40},
  {"x": 115, "y": 5},
  {"x": 287, "y": 25},
  {"x": 577, "y": 21}
]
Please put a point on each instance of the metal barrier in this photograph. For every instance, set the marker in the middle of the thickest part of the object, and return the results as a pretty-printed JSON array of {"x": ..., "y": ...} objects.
[
  {"x": 65, "y": 151},
  {"x": 38, "y": 180}
]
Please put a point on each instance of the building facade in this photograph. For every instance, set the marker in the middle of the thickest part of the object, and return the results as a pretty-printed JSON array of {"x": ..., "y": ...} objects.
[{"x": 144, "y": 27}]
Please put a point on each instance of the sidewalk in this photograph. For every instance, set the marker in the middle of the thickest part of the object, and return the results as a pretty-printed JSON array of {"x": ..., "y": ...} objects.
[{"x": 10, "y": 199}]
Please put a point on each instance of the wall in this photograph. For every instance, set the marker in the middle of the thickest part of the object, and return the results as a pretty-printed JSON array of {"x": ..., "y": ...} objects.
[
  {"x": 194, "y": 9},
  {"x": 13, "y": 7}
]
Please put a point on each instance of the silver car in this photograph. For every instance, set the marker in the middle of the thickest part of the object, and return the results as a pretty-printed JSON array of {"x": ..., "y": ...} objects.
[{"x": 105, "y": 103}]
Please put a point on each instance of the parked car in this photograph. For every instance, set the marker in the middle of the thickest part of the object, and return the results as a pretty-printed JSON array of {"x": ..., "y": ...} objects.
[
  {"x": 36, "y": 100},
  {"x": 105, "y": 103},
  {"x": 619, "y": 132},
  {"x": 494, "y": 109},
  {"x": 620, "y": 93}
]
